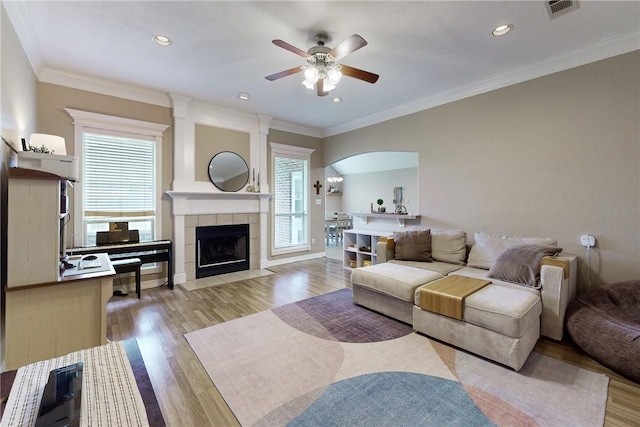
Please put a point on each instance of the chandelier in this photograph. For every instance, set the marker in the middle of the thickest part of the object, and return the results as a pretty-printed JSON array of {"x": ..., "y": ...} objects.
[{"x": 322, "y": 66}]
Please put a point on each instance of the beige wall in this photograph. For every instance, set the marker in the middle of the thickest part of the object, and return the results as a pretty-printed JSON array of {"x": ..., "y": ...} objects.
[
  {"x": 556, "y": 156},
  {"x": 362, "y": 189},
  {"x": 18, "y": 120},
  {"x": 316, "y": 173},
  {"x": 53, "y": 119},
  {"x": 210, "y": 141},
  {"x": 18, "y": 102}
]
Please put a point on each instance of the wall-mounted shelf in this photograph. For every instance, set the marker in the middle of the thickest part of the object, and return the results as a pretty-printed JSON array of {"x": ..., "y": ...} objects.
[
  {"x": 364, "y": 216},
  {"x": 334, "y": 194}
]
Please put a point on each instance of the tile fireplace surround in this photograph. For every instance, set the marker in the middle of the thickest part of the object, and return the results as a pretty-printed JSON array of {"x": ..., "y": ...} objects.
[{"x": 192, "y": 209}]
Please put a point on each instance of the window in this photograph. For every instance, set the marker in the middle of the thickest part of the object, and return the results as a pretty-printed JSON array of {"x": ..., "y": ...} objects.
[
  {"x": 120, "y": 178},
  {"x": 119, "y": 184},
  {"x": 290, "y": 226}
]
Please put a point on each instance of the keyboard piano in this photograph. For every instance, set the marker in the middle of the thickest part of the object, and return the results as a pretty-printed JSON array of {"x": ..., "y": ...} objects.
[{"x": 153, "y": 251}]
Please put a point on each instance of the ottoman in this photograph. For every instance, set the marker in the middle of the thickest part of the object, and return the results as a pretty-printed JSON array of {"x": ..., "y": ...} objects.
[
  {"x": 389, "y": 288},
  {"x": 499, "y": 323},
  {"x": 605, "y": 323}
]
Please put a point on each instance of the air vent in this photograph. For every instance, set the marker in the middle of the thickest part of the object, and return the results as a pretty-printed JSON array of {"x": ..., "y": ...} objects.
[{"x": 557, "y": 8}]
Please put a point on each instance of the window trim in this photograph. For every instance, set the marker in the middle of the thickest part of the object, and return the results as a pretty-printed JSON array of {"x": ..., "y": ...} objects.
[
  {"x": 294, "y": 152},
  {"x": 94, "y": 121}
]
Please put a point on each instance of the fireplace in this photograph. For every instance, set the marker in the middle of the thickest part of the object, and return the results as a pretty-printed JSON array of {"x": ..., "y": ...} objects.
[{"x": 221, "y": 249}]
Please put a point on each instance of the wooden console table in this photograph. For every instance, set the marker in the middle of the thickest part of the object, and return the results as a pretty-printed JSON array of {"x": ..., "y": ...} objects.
[{"x": 50, "y": 319}]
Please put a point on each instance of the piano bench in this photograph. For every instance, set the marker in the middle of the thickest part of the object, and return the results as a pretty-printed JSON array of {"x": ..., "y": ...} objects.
[{"x": 129, "y": 265}]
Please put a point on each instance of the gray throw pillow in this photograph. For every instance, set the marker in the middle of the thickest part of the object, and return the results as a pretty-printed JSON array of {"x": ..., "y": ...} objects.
[
  {"x": 414, "y": 245},
  {"x": 521, "y": 264}
]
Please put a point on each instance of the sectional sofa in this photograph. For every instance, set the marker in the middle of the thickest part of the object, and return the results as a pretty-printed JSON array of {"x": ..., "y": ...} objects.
[{"x": 528, "y": 294}]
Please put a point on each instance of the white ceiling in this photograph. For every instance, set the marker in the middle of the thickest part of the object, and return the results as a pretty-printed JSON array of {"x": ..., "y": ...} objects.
[{"x": 426, "y": 52}]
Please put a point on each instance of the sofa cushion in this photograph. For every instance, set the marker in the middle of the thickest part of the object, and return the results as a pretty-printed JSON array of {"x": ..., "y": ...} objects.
[
  {"x": 449, "y": 246},
  {"x": 443, "y": 268},
  {"x": 487, "y": 247},
  {"x": 398, "y": 281},
  {"x": 521, "y": 264},
  {"x": 413, "y": 245},
  {"x": 507, "y": 311}
]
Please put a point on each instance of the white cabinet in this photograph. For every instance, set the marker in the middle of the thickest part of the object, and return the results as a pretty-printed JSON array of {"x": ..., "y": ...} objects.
[
  {"x": 33, "y": 235},
  {"x": 46, "y": 316},
  {"x": 359, "y": 247}
]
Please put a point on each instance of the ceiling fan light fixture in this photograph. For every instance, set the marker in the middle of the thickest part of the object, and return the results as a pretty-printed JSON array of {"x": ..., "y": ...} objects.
[
  {"x": 334, "y": 75},
  {"x": 322, "y": 67},
  {"x": 311, "y": 74}
]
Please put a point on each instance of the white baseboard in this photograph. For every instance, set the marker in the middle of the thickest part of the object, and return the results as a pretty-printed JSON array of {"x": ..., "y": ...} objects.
[{"x": 295, "y": 259}]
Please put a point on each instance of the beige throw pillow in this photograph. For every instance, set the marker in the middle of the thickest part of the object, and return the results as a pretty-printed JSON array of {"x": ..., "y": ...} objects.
[
  {"x": 449, "y": 246},
  {"x": 414, "y": 245}
]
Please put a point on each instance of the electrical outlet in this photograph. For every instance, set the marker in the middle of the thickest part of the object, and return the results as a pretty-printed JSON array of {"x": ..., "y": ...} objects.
[
  {"x": 318, "y": 201},
  {"x": 588, "y": 241}
]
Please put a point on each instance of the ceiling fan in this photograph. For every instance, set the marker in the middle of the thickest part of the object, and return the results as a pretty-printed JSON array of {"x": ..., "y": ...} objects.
[{"x": 323, "y": 69}]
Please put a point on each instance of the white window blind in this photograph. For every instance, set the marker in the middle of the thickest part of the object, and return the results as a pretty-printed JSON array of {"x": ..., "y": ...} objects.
[
  {"x": 119, "y": 183},
  {"x": 119, "y": 176}
]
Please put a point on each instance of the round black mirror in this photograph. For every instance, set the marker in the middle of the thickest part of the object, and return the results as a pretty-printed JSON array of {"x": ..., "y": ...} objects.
[{"x": 228, "y": 171}]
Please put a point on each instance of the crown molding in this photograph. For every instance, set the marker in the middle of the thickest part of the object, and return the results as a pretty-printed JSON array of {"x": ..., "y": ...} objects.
[
  {"x": 87, "y": 118},
  {"x": 21, "y": 21},
  {"x": 607, "y": 48},
  {"x": 297, "y": 129},
  {"x": 198, "y": 109},
  {"x": 104, "y": 87}
]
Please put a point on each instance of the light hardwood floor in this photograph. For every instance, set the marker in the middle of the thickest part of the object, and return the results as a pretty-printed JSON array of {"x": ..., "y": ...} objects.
[{"x": 185, "y": 393}]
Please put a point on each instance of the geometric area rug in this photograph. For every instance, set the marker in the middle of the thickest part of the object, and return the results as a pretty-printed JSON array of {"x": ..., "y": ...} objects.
[{"x": 327, "y": 361}]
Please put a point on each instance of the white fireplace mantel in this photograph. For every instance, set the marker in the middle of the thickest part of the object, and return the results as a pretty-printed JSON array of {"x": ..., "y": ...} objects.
[{"x": 209, "y": 202}]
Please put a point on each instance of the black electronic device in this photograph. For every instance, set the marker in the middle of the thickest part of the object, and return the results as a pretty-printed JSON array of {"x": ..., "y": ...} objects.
[
  {"x": 61, "y": 399},
  {"x": 117, "y": 237}
]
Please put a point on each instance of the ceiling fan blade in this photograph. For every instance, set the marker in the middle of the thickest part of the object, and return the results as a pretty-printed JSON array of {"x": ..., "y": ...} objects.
[
  {"x": 359, "y": 74},
  {"x": 285, "y": 73},
  {"x": 348, "y": 46},
  {"x": 320, "y": 86},
  {"x": 290, "y": 48}
]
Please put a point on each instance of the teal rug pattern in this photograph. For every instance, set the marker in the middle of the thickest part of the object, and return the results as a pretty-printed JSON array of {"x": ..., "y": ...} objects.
[{"x": 327, "y": 361}]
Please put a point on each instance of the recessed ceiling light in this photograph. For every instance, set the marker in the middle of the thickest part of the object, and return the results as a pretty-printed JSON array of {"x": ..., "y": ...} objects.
[
  {"x": 336, "y": 100},
  {"x": 162, "y": 40},
  {"x": 502, "y": 30},
  {"x": 244, "y": 95}
]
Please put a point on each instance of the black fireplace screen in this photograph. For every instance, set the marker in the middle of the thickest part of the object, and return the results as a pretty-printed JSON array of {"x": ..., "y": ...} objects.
[{"x": 221, "y": 249}]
